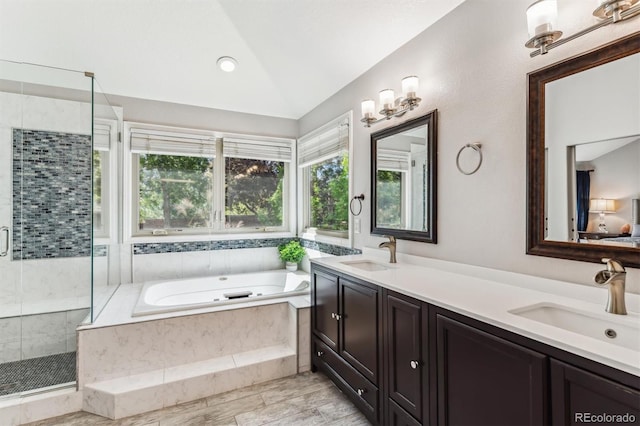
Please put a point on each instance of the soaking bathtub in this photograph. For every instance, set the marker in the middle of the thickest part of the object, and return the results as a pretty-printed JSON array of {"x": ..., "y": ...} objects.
[{"x": 195, "y": 293}]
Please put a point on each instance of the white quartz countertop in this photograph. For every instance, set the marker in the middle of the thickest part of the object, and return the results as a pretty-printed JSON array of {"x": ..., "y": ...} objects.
[{"x": 488, "y": 295}]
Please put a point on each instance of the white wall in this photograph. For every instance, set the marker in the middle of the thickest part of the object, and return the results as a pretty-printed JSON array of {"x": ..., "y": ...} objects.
[
  {"x": 473, "y": 66},
  {"x": 194, "y": 117}
]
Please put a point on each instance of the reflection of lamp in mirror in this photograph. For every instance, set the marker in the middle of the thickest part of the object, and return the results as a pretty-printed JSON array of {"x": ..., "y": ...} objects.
[{"x": 602, "y": 206}]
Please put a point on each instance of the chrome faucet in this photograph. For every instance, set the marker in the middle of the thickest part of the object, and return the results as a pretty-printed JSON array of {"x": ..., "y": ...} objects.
[
  {"x": 614, "y": 276},
  {"x": 391, "y": 245}
]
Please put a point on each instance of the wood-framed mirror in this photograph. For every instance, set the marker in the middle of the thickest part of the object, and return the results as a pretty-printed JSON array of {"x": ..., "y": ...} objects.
[
  {"x": 403, "y": 180},
  {"x": 583, "y": 156}
]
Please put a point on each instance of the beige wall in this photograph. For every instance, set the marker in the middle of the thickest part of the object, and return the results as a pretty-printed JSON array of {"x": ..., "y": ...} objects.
[{"x": 473, "y": 66}]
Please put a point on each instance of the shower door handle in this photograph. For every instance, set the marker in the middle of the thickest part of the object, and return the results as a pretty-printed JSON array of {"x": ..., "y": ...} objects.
[{"x": 4, "y": 241}]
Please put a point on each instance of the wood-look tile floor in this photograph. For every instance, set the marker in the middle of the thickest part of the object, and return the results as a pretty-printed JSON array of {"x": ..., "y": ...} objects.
[{"x": 304, "y": 399}]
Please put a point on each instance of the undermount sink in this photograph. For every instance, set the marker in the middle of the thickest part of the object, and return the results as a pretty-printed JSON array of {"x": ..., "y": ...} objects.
[
  {"x": 365, "y": 265},
  {"x": 621, "y": 330}
]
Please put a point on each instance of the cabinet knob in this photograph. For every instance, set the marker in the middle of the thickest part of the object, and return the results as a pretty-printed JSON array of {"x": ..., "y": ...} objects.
[
  {"x": 338, "y": 317},
  {"x": 361, "y": 391},
  {"x": 414, "y": 364},
  {"x": 333, "y": 315},
  {"x": 320, "y": 353}
]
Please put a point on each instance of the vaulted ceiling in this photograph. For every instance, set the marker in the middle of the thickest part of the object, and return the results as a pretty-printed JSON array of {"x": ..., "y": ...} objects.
[{"x": 292, "y": 54}]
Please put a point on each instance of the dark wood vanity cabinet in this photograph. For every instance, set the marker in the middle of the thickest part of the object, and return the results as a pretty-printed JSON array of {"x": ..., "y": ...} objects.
[
  {"x": 404, "y": 362},
  {"x": 577, "y": 393},
  {"x": 346, "y": 325},
  {"x": 486, "y": 380},
  {"x": 406, "y": 359}
]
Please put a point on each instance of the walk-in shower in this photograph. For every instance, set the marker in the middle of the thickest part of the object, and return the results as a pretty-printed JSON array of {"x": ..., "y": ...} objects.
[{"x": 58, "y": 241}]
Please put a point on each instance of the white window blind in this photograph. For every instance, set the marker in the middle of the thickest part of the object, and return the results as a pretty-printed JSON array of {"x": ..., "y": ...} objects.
[
  {"x": 101, "y": 137},
  {"x": 257, "y": 149},
  {"x": 327, "y": 142},
  {"x": 167, "y": 143},
  {"x": 392, "y": 160}
]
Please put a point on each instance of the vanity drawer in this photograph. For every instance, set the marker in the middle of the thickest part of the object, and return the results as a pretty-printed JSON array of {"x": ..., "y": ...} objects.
[{"x": 360, "y": 390}]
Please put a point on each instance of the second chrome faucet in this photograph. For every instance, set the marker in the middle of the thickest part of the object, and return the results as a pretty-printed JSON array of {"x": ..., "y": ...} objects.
[{"x": 391, "y": 245}]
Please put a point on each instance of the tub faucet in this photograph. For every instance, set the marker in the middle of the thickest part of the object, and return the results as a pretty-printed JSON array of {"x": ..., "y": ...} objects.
[
  {"x": 391, "y": 245},
  {"x": 614, "y": 276}
]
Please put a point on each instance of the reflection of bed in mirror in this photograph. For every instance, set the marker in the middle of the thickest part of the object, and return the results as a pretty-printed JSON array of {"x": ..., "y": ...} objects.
[{"x": 626, "y": 239}]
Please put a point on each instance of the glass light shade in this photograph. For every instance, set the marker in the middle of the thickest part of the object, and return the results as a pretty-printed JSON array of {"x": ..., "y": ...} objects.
[
  {"x": 542, "y": 17},
  {"x": 368, "y": 108},
  {"x": 602, "y": 205},
  {"x": 410, "y": 85},
  {"x": 387, "y": 97}
]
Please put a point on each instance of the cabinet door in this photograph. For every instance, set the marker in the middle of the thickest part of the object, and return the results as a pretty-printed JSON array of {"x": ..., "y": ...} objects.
[
  {"x": 359, "y": 326},
  {"x": 325, "y": 308},
  {"x": 576, "y": 394},
  {"x": 486, "y": 380},
  {"x": 406, "y": 353},
  {"x": 399, "y": 417}
]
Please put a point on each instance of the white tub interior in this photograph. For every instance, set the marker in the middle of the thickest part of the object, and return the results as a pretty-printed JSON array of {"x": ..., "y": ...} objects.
[{"x": 193, "y": 293}]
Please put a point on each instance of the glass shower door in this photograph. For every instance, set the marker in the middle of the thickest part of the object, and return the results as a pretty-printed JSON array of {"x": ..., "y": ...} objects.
[{"x": 45, "y": 202}]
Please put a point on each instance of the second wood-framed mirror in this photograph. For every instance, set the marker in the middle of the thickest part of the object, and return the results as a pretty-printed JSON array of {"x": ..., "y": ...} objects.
[
  {"x": 403, "y": 180},
  {"x": 583, "y": 156}
]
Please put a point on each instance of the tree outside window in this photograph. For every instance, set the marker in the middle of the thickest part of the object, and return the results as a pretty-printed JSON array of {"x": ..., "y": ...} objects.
[{"x": 329, "y": 194}]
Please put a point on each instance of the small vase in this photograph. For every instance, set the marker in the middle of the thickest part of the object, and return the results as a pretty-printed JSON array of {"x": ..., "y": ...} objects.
[{"x": 291, "y": 266}]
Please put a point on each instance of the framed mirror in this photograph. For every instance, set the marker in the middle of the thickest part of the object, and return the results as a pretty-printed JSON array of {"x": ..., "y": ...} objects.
[
  {"x": 403, "y": 180},
  {"x": 583, "y": 156}
]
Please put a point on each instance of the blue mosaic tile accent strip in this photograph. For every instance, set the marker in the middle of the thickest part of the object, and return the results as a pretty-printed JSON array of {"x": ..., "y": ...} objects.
[
  {"x": 182, "y": 247},
  {"x": 51, "y": 194},
  {"x": 329, "y": 248}
]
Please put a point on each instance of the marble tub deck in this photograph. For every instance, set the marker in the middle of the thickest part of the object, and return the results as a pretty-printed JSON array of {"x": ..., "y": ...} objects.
[{"x": 303, "y": 399}]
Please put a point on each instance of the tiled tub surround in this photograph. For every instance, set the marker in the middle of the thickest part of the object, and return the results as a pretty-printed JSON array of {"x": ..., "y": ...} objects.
[
  {"x": 51, "y": 194},
  {"x": 176, "y": 260},
  {"x": 131, "y": 368}
]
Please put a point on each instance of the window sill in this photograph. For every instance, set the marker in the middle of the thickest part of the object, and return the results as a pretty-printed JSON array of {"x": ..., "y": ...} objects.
[
  {"x": 320, "y": 238},
  {"x": 207, "y": 237}
]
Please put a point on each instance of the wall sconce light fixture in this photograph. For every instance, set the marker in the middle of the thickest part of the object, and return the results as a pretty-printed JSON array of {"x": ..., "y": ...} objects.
[
  {"x": 390, "y": 105},
  {"x": 602, "y": 206},
  {"x": 542, "y": 16}
]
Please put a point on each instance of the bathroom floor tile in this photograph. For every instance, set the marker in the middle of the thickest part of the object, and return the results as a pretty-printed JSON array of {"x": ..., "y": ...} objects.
[{"x": 305, "y": 399}]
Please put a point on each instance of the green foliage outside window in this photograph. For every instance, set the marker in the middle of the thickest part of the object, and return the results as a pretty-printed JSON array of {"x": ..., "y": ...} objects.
[
  {"x": 254, "y": 192},
  {"x": 389, "y": 199},
  {"x": 330, "y": 194},
  {"x": 175, "y": 191}
]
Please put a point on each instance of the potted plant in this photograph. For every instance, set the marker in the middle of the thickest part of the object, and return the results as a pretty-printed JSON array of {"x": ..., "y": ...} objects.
[{"x": 291, "y": 253}]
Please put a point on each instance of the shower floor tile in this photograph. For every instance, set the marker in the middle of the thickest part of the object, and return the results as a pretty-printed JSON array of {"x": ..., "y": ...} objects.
[{"x": 36, "y": 373}]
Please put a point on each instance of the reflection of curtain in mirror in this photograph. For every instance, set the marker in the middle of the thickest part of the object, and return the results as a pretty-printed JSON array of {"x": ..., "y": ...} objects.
[{"x": 583, "y": 186}]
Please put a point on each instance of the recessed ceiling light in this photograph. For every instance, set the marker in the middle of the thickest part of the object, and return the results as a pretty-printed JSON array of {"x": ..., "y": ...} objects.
[{"x": 227, "y": 63}]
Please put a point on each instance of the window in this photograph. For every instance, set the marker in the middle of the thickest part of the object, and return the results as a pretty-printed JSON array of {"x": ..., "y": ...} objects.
[
  {"x": 104, "y": 176},
  {"x": 323, "y": 158},
  {"x": 194, "y": 183},
  {"x": 256, "y": 183},
  {"x": 392, "y": 188}
]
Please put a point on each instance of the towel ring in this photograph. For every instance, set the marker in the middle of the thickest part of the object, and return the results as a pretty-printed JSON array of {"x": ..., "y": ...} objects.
[
  {"x": 477, "y": 148},
  {"x": 359, "y": 198}
]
